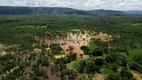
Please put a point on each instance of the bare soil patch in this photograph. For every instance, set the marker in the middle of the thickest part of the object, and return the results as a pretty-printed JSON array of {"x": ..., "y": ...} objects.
[{"x": 136, "y": 75}]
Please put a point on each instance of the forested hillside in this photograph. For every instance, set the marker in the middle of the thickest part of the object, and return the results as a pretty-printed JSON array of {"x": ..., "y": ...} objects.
[{"x": 7, "y": 10}]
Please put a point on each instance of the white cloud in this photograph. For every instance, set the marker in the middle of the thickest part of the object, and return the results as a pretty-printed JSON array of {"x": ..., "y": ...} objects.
[{"x": 78, "y": 4}]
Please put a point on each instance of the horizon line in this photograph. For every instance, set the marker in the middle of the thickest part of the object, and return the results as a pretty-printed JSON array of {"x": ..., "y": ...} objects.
[{"x": 69, "y": 8}]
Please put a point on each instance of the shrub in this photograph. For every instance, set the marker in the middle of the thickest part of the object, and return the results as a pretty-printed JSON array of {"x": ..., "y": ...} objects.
[
  {"x": 136, "y": 66},
  {"x": 85, "y": 49},
  {"x": 97, "y": 52},
  {"x": 114, "y": 67},
  {"x": 56, "y": 49},
  {"x": 99, "y": 61},
  {"x": 113, "y": 77}
]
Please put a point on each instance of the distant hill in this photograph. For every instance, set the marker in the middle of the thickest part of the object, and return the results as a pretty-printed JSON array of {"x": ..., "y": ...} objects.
[
  {"x": 134, "y": 12},
  {"x": 11, "y": 10}
]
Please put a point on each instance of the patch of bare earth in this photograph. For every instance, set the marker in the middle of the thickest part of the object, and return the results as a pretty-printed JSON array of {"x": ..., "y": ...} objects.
[
  {"x": 99, "y": 77},
  {"x": 136, "y": 75},
  {"x": 103, "y": 37},
  {"x": 37, "y": 50},
  {"x": 75, "y": 39},
  {"x": 59, "y": 56},
  {"x": 2, "y": 48},
  {"x": 54, "y": 76}
]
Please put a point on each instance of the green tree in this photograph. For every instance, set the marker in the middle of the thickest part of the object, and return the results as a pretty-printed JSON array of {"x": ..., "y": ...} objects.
[
  {"x": 85, "y": 49},
  {"x": 56, "y": 49},
  {"x": 70, "y": 73},
  {"x": 126, "y": 73},
  {"x": 99, "y": 61},
  {"x": 113, "y": 77},
  {"x": 114, "y": 67}
]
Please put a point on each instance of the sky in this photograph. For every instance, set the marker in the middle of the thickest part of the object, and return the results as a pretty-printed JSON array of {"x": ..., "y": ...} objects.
[{"x": 78, "y": 4}]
